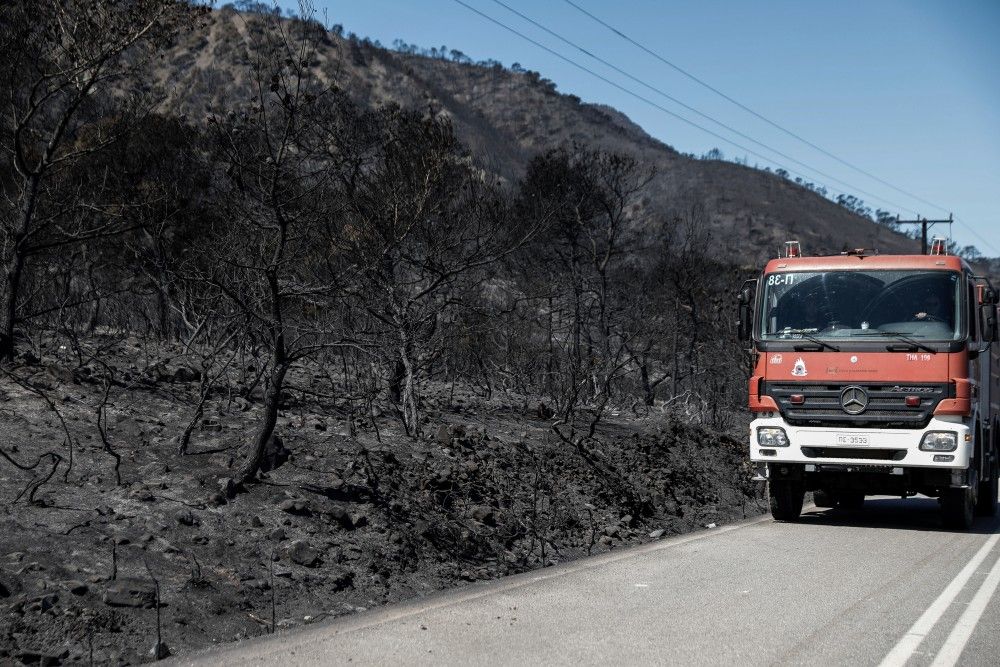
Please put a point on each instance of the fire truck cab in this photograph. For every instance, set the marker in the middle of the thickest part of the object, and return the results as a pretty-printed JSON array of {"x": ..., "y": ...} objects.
[{"x": 874, "y": 375}]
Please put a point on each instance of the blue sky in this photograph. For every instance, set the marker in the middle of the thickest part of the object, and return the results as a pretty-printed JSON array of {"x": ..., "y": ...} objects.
[{"x": 907, "y": 90}]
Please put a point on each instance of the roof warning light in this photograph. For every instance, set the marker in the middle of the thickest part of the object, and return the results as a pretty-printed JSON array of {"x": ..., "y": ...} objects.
[
  {"x": 792, "y": 249},
  {"x": 939, "y": 245}
]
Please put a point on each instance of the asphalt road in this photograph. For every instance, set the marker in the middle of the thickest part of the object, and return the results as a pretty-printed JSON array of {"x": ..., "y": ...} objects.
[{"x": 884, "y": 586}]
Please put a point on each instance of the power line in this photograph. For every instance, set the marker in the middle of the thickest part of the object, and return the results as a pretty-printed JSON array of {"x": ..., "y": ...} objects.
[
  {"x": 969, "y": 229},
  {"x": 772, "y": 123},
  {"x": 643, "y": 98},
  {"x": 748, "y": 109},
  {"x": 699, "y": 113}
]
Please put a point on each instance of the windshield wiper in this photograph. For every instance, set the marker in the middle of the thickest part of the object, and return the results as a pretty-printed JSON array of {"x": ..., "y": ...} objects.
[
  {"x": 912, "y": 342},
  {"x": 807, "y": 334}
]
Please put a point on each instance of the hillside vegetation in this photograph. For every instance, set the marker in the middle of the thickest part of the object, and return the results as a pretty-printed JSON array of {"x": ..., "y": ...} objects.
[{"x": 506, "y": 117}]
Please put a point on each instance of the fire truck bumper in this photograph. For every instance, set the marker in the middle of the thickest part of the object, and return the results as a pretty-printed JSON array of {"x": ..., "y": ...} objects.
[{"x": 946, "y": 442}]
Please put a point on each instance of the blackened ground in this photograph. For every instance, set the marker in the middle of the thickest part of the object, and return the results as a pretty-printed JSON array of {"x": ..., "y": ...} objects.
[{"x": 348, "y": 522}]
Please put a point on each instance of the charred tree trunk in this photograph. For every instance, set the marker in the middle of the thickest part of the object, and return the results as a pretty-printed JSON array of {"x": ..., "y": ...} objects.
[
  {"x": 199, "y": 411},
  {"x": 677, "y": 367},
  {"x": 396, "y": 381},
  {"x": 551, "y": 352},
  {"x": 8, "y": 317},
  {"x": 15, "y": 268},
  {"x": 409, "y": 395},
  {"x": 166, "y": 298},
  {"x": 648, "y": 390},
  {"x": 94, "y": 318},
  {"x": 163, "y": 313},
  {"x": 272, "y": 402},
  {"x": 280, "y": 363}
]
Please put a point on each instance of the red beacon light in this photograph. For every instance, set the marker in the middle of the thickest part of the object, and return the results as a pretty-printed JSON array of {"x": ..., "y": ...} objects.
[
  {"x": 793, "y": 249},
  {"x": 939, "y": 246}
]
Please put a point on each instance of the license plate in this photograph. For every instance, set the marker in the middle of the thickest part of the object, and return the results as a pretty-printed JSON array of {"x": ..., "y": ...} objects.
[{"x": 851, "y": 439}]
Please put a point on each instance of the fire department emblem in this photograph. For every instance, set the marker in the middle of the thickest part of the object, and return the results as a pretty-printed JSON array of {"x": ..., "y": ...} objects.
[{"x": 799, "y": 369}]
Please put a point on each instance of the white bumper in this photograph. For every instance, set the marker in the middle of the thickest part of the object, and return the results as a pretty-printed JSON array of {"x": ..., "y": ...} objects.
[{"x": 833, "y": 445}]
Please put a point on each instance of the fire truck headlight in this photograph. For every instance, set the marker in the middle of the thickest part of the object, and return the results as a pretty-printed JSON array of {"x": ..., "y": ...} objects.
[
  {"x": 939, "y": 441},
  {"x": 771, "y": 436}
]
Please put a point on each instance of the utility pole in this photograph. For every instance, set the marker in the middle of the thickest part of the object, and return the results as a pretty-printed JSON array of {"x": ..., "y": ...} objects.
[{"x": 924, "y": 225}]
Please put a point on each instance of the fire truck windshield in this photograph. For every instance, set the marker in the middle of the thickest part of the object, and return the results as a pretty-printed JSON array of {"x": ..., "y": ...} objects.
[{"x": 923, "y": 305}]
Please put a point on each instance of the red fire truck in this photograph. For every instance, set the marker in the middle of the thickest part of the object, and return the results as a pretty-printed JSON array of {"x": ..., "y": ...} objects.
[{"x": 874, "y": 374}]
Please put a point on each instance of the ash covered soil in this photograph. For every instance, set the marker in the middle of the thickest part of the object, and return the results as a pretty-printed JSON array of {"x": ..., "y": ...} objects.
[{"x": 353, "y": 513}]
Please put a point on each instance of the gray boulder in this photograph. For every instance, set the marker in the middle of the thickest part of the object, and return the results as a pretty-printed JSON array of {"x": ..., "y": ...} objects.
[
  {"x": 275, "y": 454},
  {"x": 130, "y": 592}
]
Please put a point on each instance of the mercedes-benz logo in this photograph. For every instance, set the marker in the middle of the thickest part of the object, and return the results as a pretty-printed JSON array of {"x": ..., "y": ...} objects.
[{"x": 854, "y": 400}]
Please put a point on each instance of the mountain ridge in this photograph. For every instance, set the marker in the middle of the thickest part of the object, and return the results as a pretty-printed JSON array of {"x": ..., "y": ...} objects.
[{"x": 505, "y": 117}]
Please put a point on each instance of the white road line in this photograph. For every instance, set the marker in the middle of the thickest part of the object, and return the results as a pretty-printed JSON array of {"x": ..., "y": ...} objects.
[
  {"x": 959, "y": 637},
  {"x": 903, "y": 650}
]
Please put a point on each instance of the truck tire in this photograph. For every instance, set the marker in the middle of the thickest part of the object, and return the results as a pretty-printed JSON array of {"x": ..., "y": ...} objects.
[
  {"x": 851, "y": 501},
  {"x": 786, "y": 496},
  {"x": 987, "y": 502},
  {"x": 958, "y": 508}
]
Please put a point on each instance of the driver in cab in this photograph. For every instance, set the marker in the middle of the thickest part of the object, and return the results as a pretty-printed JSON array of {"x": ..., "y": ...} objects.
[
  {"x": 933, "y": 310},
  {"x": 810, "y": 315}
]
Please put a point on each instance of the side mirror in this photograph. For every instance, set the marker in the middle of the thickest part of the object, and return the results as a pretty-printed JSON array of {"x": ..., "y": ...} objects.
[
  {"x": 989, "y": 331},
  {"x": 743, "y": 327},
  {"x": 745, "y": 310}
]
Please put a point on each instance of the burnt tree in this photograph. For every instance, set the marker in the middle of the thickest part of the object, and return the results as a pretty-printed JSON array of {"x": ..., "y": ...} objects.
[
  {"x": 269, "y": 258},
  {"x": 70, "y": 91},
  {"x": 421, "y": 222}
]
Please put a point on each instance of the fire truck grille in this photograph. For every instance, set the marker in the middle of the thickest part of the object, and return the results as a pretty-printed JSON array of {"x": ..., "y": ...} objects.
[
  {"x": 854, "y": 453},
  {"x": 820, "y": 404}
]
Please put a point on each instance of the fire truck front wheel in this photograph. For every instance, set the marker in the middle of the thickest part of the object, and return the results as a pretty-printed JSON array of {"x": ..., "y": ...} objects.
[
  {"x": 958, "y": 507},
  {"x": 786, "y": 496}
]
